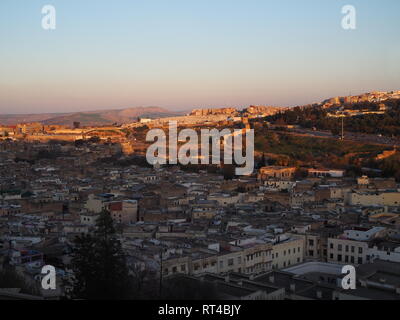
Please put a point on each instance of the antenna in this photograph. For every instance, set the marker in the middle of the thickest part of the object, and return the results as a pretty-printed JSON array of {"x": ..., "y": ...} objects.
[{"x": 342, "y": 127}]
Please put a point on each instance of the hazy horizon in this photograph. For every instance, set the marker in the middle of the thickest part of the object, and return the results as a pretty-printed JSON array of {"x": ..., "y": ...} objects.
[
  {"x": 184, "y": 109},
  {"x": 181, "y": 55}
]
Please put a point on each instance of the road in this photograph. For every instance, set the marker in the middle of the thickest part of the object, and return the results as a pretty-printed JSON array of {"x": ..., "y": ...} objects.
[{"x": 349, "y": 136}]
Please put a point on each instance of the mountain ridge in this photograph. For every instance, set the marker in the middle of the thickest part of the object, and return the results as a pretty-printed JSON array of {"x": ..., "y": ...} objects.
[{"x": 88, "y": 118}]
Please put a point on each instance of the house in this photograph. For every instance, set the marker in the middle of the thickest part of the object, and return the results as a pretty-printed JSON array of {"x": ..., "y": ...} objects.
[
  {"x": 319, "y": 173},
  {"x": 276, "y": 172}
]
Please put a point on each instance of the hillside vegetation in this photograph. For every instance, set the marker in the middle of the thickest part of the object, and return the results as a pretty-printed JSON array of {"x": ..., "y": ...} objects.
[{"x": 387, "y": 124}]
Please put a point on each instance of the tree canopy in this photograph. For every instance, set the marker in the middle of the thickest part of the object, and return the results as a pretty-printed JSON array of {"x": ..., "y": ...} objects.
[{"x": 99, "y": 264}]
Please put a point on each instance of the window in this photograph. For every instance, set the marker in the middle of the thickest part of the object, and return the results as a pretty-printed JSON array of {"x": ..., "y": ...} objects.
[
  {"x": 310, "y": 242},
  {"x": 230, "y": 262},
  {"x": 340, "y": 247},
  {"x": 360, "y": 260},
  {"x": 352, "y": 249},
  {"x": 347, "y": 248},
  {"x": 360, "y": 250},
  {"x": 183, "y": 268},
  {"x": 331, "y": 245},
  {"x": 339, "y": 257}
]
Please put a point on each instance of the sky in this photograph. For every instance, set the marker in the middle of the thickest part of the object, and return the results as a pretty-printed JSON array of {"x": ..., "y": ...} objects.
[{"x": 183, "y": 54}]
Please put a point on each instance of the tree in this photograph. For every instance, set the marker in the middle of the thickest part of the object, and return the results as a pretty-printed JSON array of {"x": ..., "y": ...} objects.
[
  {"x": 99, "y": 264},
  {"x": 228, "y": 170},
  {"x": 9, "y": 278},
  {"x": 79, "y": 143},
  {"x": 94, "y": 139},
  {"x": 335, "y": 131}
]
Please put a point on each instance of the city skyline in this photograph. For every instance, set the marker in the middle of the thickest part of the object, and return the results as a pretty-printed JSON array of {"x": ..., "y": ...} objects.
[{"x": 184, "y": 55}]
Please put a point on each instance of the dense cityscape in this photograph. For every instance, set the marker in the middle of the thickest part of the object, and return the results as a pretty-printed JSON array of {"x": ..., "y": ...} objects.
[
  {"x": 199, "y": 159},
  {"x": 283, "y": 232}
]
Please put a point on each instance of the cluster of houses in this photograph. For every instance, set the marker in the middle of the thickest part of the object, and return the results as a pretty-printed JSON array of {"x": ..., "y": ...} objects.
[{"x": 266, "y": 236}]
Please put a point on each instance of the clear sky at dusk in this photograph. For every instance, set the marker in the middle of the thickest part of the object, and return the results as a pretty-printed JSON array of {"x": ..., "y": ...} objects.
[{"x": 181, "y": 54}]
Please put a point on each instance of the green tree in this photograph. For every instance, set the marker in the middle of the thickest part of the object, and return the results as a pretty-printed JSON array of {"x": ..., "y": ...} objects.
[
  {"x": 9, "y": 278},
  {"x": 99, "y": 264},
  {"x": 94, "y": 139}
]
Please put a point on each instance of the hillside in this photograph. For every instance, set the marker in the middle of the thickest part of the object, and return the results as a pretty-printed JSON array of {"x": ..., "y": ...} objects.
[
  {"x": 367, "y": 113},
  {"x": 90, "y": 118},
  {"x": 12, "y": 119}
]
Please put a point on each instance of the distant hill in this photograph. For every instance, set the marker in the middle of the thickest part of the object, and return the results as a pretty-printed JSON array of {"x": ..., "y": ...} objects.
[
  {"x": 90, "y": 118},
  {"x": 12, "y": 119}
]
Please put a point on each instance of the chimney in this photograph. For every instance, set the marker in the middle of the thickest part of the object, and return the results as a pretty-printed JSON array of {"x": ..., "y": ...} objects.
[
  {"x": 271, "y": 279},
  {"x": 319, "y": 294}
]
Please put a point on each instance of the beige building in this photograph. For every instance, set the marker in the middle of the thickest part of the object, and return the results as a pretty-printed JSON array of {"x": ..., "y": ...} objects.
[
  {"x": 368, "y": 198},
  {"x": 89, "y": 218},
  {"x": 247, "y": 259},
  {"x": 125, "y": 211},
  {"x": 257, "y": 259},
  {"x": 314, "y": 247},
  {"x": 224, "y": 199},
  {"x": 95, "y": 204},
  {"x": 288, "y": 252},
  {"x": 122, "y": 211},
  {"x": 276, "y": 172},
  {"x": 346, "y": 251}
]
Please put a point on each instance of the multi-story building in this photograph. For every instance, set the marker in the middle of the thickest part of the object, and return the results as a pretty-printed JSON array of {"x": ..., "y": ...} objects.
[
  {"x": 125, "y": 211},
  {"x": 368, "y": 198},
  {"x": 345, "y": 251},
  {"x": 287, "y": 252},
  {"x": 276, "y": 172}
]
